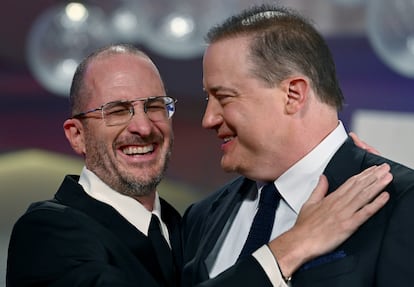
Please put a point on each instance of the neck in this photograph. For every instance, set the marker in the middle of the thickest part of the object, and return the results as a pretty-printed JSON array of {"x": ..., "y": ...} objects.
[
  {"x": 305, "y": 134},
  {"x": 147, "y": 201}
]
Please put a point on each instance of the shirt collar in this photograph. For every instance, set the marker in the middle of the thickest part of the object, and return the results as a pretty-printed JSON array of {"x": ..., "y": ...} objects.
[
  {"x": 131, "y": 209},
  {"x": 298, "y": 182}
]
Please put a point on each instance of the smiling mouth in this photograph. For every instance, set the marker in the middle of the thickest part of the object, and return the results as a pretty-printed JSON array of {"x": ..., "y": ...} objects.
[
  {"x": 138, "y": 150},
  {"x": 227, "y": 139}
]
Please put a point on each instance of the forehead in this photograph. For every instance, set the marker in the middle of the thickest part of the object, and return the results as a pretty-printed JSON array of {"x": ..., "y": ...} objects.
[
  {"x": 226, "y": 61},
  {"x": 123, "y": 76},
  {"x": 108, "y": 66},
  {"x": 232, "y": 49}
]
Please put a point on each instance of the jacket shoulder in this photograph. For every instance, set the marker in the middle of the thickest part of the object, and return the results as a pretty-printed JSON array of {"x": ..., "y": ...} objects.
[{"x": 202, "y": 207}]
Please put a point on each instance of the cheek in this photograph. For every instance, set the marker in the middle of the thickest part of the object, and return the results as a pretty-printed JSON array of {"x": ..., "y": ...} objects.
[
  {"x": 98, "y": 140},
  {"x": 235, "y": 117},
  {"x": 165, "y": 129},
  {"x": 256, "y": 133}
]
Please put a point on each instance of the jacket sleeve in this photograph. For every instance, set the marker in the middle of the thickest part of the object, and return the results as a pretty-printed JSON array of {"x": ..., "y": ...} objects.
[{"x": 246, "y": 272}]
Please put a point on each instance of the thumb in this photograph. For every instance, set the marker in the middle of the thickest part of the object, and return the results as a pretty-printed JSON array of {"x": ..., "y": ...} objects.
[{"x": 320, "y": 190}]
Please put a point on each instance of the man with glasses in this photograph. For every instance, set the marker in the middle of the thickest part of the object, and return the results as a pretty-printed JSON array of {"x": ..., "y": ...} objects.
[{"x": 109, "y": 227}]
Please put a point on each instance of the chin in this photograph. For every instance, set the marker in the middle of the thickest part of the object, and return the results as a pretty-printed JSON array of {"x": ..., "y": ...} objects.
[{"x": 228, "y": 167}]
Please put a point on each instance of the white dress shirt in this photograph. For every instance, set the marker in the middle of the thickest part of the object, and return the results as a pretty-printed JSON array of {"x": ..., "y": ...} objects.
[
  {"x": 129, "y": 208},
  {"x": 295, "y": 187}
]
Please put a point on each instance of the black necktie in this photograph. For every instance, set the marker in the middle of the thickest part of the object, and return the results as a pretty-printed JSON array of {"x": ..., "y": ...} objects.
[
  {"x": 262, "y": 225},
  {"x": 162, "y": 250}
]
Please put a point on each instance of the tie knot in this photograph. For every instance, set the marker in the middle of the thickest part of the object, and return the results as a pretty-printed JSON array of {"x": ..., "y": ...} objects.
[
  {"x": 269, "y": 195},
  {"x": 154, "y": 223}
]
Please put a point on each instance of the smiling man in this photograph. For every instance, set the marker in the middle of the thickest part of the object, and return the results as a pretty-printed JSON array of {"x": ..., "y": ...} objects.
[
  {"x": 107, "y": 227},
  {"x": 273, "y": 100}
]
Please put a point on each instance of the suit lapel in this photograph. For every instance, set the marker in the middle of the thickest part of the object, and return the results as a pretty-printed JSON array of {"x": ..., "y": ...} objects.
[
  {"x": 72, "y": 194},
  {"x": 222, "y": 209},
  {"x": 346, "y": 162}
]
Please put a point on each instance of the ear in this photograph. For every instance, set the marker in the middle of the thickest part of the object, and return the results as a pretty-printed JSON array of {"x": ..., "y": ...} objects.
[
  {"x": 297, "y": 94},
  {"x": 75, "y": 134}
]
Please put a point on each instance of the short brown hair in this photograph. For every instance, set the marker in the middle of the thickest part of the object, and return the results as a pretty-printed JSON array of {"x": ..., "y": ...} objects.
[{"x": 284, "y": 43}]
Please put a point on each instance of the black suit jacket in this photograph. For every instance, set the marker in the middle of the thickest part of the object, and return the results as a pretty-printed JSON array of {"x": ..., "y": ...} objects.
[
  {"x": 380, "y": 253},
  {"x": 75, "y": 240},
  {"x": 204, "y": 227}
]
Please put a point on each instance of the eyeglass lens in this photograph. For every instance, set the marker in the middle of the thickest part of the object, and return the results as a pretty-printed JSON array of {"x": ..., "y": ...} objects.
[{"x": 157, "y": 109}]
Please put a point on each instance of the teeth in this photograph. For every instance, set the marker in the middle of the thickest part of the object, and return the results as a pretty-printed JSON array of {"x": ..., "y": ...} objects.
[
  {"x": 138, "y": 150},
  {"x": 227, "y": 139}
]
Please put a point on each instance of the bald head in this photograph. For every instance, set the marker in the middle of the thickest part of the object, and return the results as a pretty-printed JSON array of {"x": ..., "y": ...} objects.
[{"x": 80, "y": 92}]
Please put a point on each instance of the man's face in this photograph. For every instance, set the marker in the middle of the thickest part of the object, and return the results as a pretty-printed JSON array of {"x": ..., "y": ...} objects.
[
  {"x": 246, "y": 113},
  {"x": 131, "y": 158}
]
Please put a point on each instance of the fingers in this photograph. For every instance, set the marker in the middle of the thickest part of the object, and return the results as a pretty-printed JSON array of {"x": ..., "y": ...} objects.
[
  {"x": 363, "y": 144},
  {"x": 356, "y": 183},
  {"x": 370, "y": 209},
  {"x": 360, "y": 197},
  {"x": 357, "y": 140},
  {"x": 365, "y": 186},
  {"x": 352, "y": 195}
]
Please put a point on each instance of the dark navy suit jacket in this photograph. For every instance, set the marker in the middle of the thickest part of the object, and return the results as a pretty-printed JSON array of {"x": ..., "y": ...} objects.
[
  {"x": 380, "y": 253},
  {"x": 75, "y": 240}
]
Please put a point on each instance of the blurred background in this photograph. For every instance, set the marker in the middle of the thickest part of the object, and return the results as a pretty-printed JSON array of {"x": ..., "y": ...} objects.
[{"x": 42, "y": 41}]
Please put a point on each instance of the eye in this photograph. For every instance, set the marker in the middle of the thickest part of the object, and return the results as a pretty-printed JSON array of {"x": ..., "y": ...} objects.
[
  {"x": 223, "y": 95},
  {"x": 224, "y": 98},
  {"x": 117, "y": 109},
  {"x": 155, "y": 104}
]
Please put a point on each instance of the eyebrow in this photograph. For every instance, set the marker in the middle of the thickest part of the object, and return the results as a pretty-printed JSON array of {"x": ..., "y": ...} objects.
[{"x": 216, "y": 89}]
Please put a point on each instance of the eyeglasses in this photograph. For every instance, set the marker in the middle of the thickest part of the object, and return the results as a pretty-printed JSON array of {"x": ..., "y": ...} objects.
[{"x": 121, "y": 112}]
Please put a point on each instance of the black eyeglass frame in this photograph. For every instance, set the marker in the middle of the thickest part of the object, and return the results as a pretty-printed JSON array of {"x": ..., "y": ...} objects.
[{"x": 168, "y": 100}]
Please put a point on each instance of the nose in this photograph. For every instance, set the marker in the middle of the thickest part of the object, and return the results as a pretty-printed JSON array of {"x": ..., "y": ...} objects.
[
  {"x": 140, "y": 123},
  {"x": 212, "y": 115}
]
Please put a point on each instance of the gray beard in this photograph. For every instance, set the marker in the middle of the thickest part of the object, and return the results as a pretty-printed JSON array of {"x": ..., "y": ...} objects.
[{"x": 136, "y": 189}]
